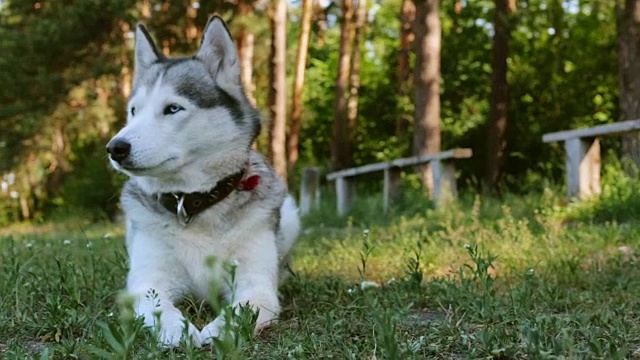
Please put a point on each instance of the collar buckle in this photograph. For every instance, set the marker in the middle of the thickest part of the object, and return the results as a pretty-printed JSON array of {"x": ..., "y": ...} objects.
[{"x": 183, "y": 216}]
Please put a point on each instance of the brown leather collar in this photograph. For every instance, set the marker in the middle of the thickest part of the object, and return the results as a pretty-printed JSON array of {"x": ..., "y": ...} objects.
[{"x": 186, "y": 206}]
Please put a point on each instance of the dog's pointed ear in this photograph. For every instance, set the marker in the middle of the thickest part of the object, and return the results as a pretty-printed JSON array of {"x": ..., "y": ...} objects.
[
  {"x": 146, "y": 51},
  {"x": 219, "y": 54}
]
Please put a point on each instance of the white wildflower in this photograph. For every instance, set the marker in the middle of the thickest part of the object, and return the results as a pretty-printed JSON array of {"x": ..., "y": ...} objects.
[
  {"x": 625, "y": 250},
  {"x": 369, "y": 284}
]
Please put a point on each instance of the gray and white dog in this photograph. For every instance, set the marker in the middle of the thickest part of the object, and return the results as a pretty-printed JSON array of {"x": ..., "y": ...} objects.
[{"x": 197, "y": 190}]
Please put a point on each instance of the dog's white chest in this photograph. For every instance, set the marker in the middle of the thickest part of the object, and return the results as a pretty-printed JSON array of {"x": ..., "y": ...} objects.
[
  {"x": 193, "y": 254},
  {"x": 201, "y": 256}
]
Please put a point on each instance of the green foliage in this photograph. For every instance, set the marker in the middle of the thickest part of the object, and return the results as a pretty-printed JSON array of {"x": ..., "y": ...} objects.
[
  {"x": 64, "y": 89},
  {"x": 57, "y": 98},
  {"x": 121, "y": 338},
  {"x": 482, "y": 279},
  {"x": 555, "y": 81},
  {"x": 620, "y": 198}
]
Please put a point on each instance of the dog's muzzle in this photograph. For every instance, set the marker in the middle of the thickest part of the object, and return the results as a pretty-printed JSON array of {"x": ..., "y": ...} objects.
[{"x": 118, "y": 149}]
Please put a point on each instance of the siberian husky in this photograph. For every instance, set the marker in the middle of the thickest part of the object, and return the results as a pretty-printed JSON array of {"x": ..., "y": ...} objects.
[{"x": 196, "y": 190}]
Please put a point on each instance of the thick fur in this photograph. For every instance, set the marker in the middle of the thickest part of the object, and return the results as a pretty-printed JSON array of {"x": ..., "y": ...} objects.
[{"x": 189, "y": 150}]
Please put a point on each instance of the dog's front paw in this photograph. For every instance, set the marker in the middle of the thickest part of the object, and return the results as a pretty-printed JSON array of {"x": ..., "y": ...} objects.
[
  {"x": 172, "y": 331},
  {"x": 211, "y": 331}
]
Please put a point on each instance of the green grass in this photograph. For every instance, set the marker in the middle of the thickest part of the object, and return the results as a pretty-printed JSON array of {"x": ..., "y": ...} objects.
[{"x": 522, "y": 277}]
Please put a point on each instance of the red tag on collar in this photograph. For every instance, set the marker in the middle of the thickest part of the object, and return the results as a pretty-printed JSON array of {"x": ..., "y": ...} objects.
[{"x": 249, "y": 183}]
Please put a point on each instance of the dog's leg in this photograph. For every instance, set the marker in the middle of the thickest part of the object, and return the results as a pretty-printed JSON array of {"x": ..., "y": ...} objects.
[
  {"x": 256, "y": 284},
  {"x": 156, "y": 285},
  {"x": 159, "y": 313}
]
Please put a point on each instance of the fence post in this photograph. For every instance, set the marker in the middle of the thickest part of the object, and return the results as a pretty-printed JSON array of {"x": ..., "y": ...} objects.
[
  {"x": 391, "y": 187},
  {"x": 309, "y": 190},
  {"x": 583, "y": 167},
  {"x": 344, "y": 195},
  {"x": 444, "y": 182}
]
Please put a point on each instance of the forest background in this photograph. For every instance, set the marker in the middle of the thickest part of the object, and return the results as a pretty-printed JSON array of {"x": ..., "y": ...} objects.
[{"x": 506, "y": 72}]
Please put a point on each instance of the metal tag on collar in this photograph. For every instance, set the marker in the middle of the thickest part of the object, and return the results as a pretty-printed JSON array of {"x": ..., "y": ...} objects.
[{"x": 183, "y": 217}]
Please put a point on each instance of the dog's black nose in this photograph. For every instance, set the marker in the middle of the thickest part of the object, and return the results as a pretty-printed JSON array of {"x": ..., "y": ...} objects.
[{"x": 118, "y": 149}]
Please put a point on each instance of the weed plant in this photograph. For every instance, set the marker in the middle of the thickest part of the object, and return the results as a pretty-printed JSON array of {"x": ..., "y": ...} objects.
[{"x": 522, "y": 277}]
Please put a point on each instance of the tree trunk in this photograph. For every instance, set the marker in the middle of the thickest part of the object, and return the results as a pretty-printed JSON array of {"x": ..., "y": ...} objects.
[
  {"x": 496, "y": 136},
  {"x": 166, "y": 43},
  {"x": 407, "y": 38},
  {"x": 126, "y": 77},
  {"x": 457, "y": 9},
  {"x": 426, "y": 136},
  {"x": 341, "y": 150},
  {"x": 320, "y": 19},
  {"x": 145, "y": 11},
  {"x": 191, "y": 33},
  {"x": 245, "y": 43},
  {"x": 277, "y": 98},
  {"x": 354, "y": 86},
  {"x": 25, "y": 211},
  {"x": 628, "y": 19},
  {"x": 298, "y": 83}
]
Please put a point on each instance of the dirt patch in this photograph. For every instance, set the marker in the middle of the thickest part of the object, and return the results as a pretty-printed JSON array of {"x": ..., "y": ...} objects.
[
  {"x": 425, "y": 316},
  {"x": 35, "y": 347}
]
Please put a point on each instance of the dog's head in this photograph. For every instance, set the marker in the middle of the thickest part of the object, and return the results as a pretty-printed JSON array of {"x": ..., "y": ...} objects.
[{"x": 185, "y": 113}]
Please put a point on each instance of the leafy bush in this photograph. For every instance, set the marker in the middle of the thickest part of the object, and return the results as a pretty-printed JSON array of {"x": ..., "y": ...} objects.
[{"x": 620, "y": 198}]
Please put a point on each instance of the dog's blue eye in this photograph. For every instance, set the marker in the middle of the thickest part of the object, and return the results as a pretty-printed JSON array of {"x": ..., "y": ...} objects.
[
  {"x": 133, "y": 111},
  {"x": 172, "y": 109}
]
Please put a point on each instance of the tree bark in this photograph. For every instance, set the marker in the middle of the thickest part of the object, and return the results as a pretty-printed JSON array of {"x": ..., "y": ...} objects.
[
  {"x": 628, "y": 22},
  {"x": 341, "y": 155},
  {"x": 354, "y": 86},
  {"x": 245, "y": 43},
  {"x": 126, "y": 77},
  {"x": 320, "y": 19},
  {"x": 496, "y": 135},
  {"x": 166, "y": 43},
  {"x": 277, "y": 98},
  {"x": 298, "y": 83},
  {"x": 426, "y": 137},
  {"x": 145, "y": 11},
  {"x": 407, "y": 38},
  {"x": 457, "y": 9},
  {"x": 191, "y": 33}
]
